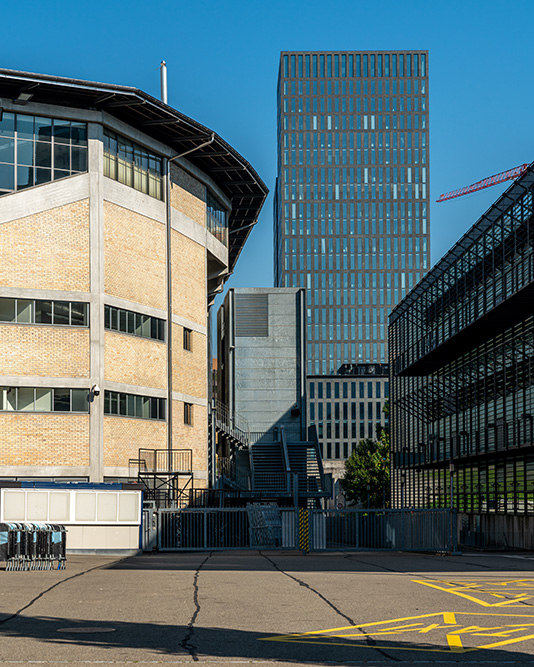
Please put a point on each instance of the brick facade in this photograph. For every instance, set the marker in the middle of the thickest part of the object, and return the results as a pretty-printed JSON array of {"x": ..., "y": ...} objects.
[
  {"x": 48, "y": 250},
  {"x": 33, "y": 439},
  {"x": 134, "y": 256},
  {"x": 191, "y": 437},
  {"x": 44, "y": 351},
  {"x": 188, "y": 278},
  {"x": 188, "y": 195},
  {"x": 123, "y": 437},
  {"x": 189, "y": 368},
  {"x": 135, "y": 361}
]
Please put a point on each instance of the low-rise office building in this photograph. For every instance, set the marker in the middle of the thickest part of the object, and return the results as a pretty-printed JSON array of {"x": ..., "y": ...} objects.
[
  {"x": 120, "y": 219},
  {"x": 462, "y": 391}
]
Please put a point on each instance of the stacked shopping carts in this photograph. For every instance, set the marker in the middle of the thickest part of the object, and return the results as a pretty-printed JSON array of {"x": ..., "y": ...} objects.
[{"x": 33, "y": 546}]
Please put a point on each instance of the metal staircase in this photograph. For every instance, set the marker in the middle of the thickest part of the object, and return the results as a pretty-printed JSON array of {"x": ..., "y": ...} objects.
[
  {"x": 166, "y": 474},
  {"x": 269, "y": 468}
]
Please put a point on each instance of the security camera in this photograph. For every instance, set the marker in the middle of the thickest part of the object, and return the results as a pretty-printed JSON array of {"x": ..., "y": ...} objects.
[{"x": 95, "y": 389}]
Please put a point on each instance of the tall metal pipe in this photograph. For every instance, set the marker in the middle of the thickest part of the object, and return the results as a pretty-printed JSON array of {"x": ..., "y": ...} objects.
[{"x": 163, "y": 80}]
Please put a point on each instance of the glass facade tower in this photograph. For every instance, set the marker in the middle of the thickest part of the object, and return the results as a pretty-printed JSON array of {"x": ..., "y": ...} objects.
[{"x": 351, "y": 202}]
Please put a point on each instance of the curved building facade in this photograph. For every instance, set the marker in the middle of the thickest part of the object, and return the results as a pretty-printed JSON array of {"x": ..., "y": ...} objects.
[{"x": 120, "y": 219}]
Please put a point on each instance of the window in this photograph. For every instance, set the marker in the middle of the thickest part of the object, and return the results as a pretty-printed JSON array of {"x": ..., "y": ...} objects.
[
  {"x": 217, "y": 219},
  {"x": 35, "y": 150},
  {"x": 37, "y": 311},
  {"x": 188, "y": 340},
  {"x": 188, "y": 414},
  {"x": 132, "y": 165},
  {"x": 41, "y": 399},
  {"x": 132, "y": 405},
  {"x": 136, "y": 324}
]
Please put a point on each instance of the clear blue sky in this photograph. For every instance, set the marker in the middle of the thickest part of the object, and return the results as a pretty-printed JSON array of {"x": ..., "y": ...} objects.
[{"x": 223, "y": 59}]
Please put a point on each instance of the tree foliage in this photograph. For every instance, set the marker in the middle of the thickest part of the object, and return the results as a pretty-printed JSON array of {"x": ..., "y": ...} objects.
[{"x": 366, "y": 479}]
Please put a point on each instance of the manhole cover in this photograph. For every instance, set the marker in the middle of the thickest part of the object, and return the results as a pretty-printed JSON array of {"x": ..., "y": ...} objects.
[{"x": 86, "y": 630}]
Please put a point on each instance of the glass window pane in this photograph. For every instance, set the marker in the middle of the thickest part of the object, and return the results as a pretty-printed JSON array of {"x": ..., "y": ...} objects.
[
  {"x": 80, "y": 402},
  {"x": 8, "y": 398},
  {"x": 24, "y": 310},
  {"x": 7, "y": 125},
  {"x": 145, "y": 326},
  {"x": 7, "y": 310},
  {"x": 24, "y": 127},
  {"x": 24, "y": 152},
  {"x": 43, "y": 129},
  {"x": 61, "y": 156},
  {"x": 123, "y": 317},
  {"x": 43, "y": 400},
  {"x": 114, "y": 318},
  {"x": 79, "y": 159},
  {"x": 138, "y": 324},
  {"x": 7, "y": 149},
  {"x": 107, "y": 402},
  {"x": 61, "y": 400},
  {"x": 43, "y": 154},
  {"x": 114, "y": 403},
  {"x": 122, "y": 404},
  {"x": 153, "y": 408},
  {"x": 146, "y": 407},
  {"x": 138, "y": 406},
  {"x": 61, "y": 312},
  {"x": 42, "y": 176},
  {"x": 62, "y": 131},
  {"x": 131, "y": 323},
  {"x": 161, "y": 408},
  {"x": 79, "y": 133},
  {"x": 78, "y": 314},
  {"x": 59, "y": 173},
  {"x": 25, "y": 400},
  {"x": 7, "y": 177},
  {"x": 130, "y": 405},
  {"x": 24, "y": 177},
  {"x": 43, "y": 312}
]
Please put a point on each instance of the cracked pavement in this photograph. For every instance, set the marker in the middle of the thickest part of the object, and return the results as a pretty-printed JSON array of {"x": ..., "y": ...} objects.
[{"x": 273, "y": 607}]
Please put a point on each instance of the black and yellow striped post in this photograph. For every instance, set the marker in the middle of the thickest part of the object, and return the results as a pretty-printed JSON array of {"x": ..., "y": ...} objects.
[{"x": 304, "y": 531}]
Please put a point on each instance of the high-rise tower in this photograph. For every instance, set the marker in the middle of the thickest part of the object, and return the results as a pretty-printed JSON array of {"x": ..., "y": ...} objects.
[{"x": 351, "y": 219}]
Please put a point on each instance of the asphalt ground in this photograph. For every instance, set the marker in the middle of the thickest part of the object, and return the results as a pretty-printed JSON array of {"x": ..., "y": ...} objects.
[{"x": 276, "y": 607}]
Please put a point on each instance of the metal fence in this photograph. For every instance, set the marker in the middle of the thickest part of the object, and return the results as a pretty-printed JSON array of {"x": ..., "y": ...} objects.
[{"x": 270, "y": 527}]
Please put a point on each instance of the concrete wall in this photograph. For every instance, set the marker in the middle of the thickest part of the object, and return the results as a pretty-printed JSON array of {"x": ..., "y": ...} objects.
[{"x": 267, "y": 370}]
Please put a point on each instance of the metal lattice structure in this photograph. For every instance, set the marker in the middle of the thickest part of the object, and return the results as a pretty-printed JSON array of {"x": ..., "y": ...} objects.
[
  {"x": 462, "y": 361},
  {"x": 485, "y": 183}
]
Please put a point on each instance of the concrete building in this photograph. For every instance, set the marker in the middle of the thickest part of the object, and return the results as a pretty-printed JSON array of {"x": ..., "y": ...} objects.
[
  {"x": 263, "y": 449},
  {"x": 120, "y": 219},
  {"x": 462, "y": 388},
  {"x": 351, "y": 205},
  {"x": 262, "y": 358}
]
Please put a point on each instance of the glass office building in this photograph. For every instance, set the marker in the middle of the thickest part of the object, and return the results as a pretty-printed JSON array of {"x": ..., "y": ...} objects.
[
  {"x": 462, "y": 367},
  {"x": 351, "y": 203}
]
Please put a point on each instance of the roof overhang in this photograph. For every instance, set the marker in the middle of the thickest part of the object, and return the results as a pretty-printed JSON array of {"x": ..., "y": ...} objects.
[{"x": 224, "y": 165}]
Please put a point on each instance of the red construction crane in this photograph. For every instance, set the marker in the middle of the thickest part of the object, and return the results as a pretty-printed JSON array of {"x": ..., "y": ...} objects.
[{"x": 486, "y": 183}]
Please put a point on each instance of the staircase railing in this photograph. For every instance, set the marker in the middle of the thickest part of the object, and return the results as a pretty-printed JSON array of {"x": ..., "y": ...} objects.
[
  {"x": 232, "y": 423},
  {"x": 227, "y": 467}
]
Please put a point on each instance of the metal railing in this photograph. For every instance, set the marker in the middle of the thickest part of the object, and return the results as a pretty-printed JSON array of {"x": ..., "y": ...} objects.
[
  {"x": 165, "y": 460},
  {"x": 227, "y": 467},
  {"x": 271, "y": 527},
  {"x": 232, "y": 424}
]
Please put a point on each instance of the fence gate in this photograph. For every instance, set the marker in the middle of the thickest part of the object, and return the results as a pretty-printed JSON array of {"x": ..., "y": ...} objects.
[{"x": 268, "y": 527}]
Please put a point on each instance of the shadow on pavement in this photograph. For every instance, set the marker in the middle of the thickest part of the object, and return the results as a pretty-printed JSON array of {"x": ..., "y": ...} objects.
[{"x": 199, "y": 642}]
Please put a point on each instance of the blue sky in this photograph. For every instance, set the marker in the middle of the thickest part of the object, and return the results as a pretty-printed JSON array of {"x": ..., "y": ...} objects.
[{"x": 223, "y": 60}]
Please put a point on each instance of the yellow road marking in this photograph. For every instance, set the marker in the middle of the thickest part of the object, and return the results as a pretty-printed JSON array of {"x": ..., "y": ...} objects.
[
  {"x": 455, "y": 643},
  {"x": 457, "y": 591}
]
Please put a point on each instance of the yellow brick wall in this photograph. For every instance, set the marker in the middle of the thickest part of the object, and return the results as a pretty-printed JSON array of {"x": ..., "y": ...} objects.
[
  {"x": 193, "y": 437},
  {"x": 44, "y": 439},
  {"x": 48, "y": 250},
  {"x": 123, "y": 438},
  {"x": 189, "y": 369},
  {"x": 188, "y": 278},
  {"x": 188, "y": 195},
  {"x": 135, "y": 360},
  {"x": 134, "y": 254},
  {"x": 44, "y": 351}
]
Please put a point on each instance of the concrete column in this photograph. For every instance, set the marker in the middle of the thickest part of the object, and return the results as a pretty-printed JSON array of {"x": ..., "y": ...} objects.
[{"x": 96, "y": 244}]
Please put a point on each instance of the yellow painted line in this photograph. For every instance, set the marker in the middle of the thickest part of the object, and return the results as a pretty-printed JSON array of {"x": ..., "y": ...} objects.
[
  {"x": 455, "y": 643},
  {"x": 448, "y": 590},
  {"x": 362, "y": 645},
  {"x": 506, "y": 642}
]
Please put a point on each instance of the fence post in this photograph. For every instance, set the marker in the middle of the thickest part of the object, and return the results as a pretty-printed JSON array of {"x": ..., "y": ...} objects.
[
  {"x": 205, "y": 529},
  {"x": 304, "y": 530}
]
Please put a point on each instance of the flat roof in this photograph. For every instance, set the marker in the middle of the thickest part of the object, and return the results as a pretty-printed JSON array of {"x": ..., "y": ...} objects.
[{"x": 224, "y": 165}]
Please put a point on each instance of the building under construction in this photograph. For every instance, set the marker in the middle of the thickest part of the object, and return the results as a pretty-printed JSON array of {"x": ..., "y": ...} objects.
[{"x": 462, "y": 387}]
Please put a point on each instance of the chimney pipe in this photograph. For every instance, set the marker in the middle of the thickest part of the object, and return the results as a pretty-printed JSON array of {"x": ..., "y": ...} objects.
[{"x": 163, "y": 81}]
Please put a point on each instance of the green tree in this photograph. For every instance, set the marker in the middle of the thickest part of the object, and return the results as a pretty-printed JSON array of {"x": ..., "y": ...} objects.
[{"x": 366, "y": 478}]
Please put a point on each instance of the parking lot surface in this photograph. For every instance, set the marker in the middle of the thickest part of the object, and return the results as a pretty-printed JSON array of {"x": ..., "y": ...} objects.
[{"x": 276, "y": 607}]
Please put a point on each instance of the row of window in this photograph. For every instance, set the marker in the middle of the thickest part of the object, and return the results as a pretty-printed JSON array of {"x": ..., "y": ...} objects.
[
  {"x": 136, "y": 324},
  {"x": 131, "y": 164},
  {"x": 354, "y": 65},
  {"x": 39, "y": 311},
  {"x": 48, "y": 399},
  {"x": 334, "y": 412},
  {"x": 35, "y": 150},
  {"x": 354, "y": 87},
  {"x": 43, "y": 399},
  {"x": 341, "y": 389}
]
